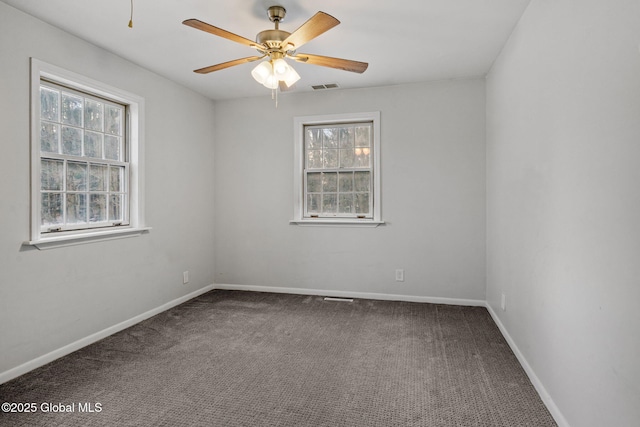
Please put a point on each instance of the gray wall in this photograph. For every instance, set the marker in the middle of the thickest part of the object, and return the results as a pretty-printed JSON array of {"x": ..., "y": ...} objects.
[
  {"x": 433, "y": 195},
  {"x": 563, "y": 143},
  {"x": 49, "y": 299}
]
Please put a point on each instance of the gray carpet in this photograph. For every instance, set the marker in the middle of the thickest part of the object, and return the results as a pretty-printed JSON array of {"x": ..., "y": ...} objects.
[{"x": 232, "y": 358}]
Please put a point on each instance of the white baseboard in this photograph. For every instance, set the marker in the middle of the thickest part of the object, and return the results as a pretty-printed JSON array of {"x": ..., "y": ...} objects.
[
  {"x": 350, "y": 294},
  {"x": 542, "y": 391},
  {"x": 77, "y": 345}
]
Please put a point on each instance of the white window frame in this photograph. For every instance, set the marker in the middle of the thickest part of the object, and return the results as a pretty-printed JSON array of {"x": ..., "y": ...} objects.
[
  {"x": 135, "y": 154},
  {"x": 299, "y": 124}
]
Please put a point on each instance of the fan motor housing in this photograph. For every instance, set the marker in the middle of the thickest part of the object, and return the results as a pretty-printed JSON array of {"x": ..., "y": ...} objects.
[{"x": 272, "y": 38}]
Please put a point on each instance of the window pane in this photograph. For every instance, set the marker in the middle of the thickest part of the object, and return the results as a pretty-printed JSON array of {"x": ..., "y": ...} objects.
[
  {"x": 93, "y": 115},
  {"x": 346, "y": 203},
  {"x": 362, "y": 181},
  {"x": 49, "y": 137},
  {"x": 71, "y": 141},
  {"x": 314, "y": 182},
  {"x": 346, "y": 137},
  {"x": 51, "y": 174},
  {"x": 76, "y": 176},
  {"x": 345, "y": 182},
  {"x": 330, "y": 137},
  {"x": 362, "y": 203},
  {"x": 113, "y": 120},
  {"x": 313, "y": 203},
  {"x": 98, "y": 177},
  {"x": 363, "y": 136},
  {"x": 313, "y": 139},
  {"x": 330, "y": 158},
  {"x": 329, "y": 203},
  {"x": 116, "y": 179},
  {"x": 314, "y": 159},
  {"x": 72, "y": 107},
  {"x": 112, "y": 147},
  {"x": 51, "y": 209},
  {"x": 49, "y": 104},
  {"x": 347, "y": 158},
  {"x": 115, "y": 207},
  {"x": 330, "y": 182},
  {"x": 97, "y": 207},
  {"x": 363, "y": 157},
  {"x": 93, "y": 144},
  {"x": 76, "y": 208}
]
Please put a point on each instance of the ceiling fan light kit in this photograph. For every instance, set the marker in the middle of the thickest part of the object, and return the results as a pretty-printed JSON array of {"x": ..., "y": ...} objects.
[
  {"x": 276, "y": 45},
  {"x": 270, "y": 73}
]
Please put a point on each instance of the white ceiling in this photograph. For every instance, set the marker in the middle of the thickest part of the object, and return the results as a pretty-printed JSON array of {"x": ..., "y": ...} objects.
[{"x": 403, "y": 41}]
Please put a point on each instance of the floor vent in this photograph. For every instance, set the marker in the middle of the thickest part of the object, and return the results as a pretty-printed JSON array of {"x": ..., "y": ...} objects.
[
  {"x": 338, "y": 299},
  {"x": 325, "y": 86}
]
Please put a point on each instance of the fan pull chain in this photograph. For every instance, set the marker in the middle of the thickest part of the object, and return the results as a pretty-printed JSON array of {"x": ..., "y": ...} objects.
[{"x": 131, "y": 18}]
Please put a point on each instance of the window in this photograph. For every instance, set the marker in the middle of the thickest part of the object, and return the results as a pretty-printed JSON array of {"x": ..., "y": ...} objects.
[
  {"x": 337, "y": 177},
  {"x": 83, "y": 162},
  {"x": 86, "y": 163}
]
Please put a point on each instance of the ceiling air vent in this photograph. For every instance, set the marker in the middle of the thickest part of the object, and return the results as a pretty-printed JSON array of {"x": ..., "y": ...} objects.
[{"x": 325, "y": 86}]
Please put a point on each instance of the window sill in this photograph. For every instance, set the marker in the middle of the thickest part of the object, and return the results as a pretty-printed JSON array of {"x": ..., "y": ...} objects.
[
  {"x": 339, "y": 222},
  {"x": 60, "y": 241}
]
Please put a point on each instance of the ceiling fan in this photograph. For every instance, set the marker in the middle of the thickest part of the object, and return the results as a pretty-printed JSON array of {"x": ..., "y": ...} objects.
[{"x": 277, "y": 45}]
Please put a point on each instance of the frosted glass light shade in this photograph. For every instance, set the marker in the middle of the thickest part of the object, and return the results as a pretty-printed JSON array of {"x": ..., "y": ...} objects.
[
  {"x": 291, "y": 77},
  {"x": 269, "y": 73},
  {"x": 280, "y": 68},
  {"x": 271, "y": 82},
  {"x": 262, "y": 72}
]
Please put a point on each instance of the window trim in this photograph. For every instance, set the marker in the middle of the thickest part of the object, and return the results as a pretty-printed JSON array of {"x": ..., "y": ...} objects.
[
  {"x": 135, "y": 116},
  {"x": 299, "y": 124}
]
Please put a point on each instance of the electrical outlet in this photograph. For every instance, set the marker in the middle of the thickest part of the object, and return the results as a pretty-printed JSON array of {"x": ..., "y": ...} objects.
[
  {"x": 399, "y": 275},
  {"x": 503, "y": 302},
  {"x": 185, "y": 277}
]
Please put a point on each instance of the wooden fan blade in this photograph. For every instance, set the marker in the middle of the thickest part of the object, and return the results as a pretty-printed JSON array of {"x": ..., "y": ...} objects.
[
  {"x": 224, "y": 65},
  {"x": 203, "y": 26},
  {"x": 316, "y": 25},
  {"x": 327, "y": 61}
]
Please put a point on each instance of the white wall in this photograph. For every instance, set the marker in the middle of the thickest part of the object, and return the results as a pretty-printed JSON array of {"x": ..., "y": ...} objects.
[
  {"x": 563, "y": 145},
  {"x": 433, "y": 195},
  {"x": 49, "y": 299}
]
